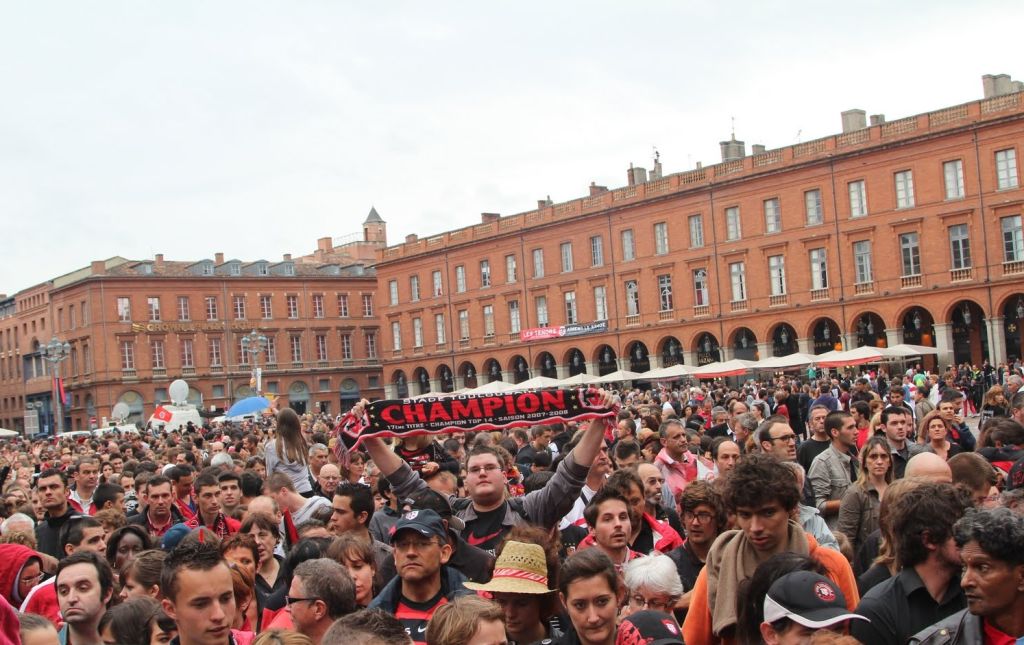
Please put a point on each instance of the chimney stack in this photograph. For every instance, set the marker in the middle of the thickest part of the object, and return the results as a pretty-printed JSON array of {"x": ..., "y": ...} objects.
[
  {"x": 218, "y": 258},
  {"x": 597, "y": 190},
  {"x": 544, "y": 203},
  {"x": 411, "y": 237},
  {"x": 733, "y": 150},
  {"x": 636, "y": 175},
  {"x": 757, "y": 149},
  {"x": 287, "y": 257},
  {"x": 98, "y": 267},
  {"x": 325, "y": 244},
  {"x": 853, "y": 120},
  {"x": 877, "y": 119},
  {"x": 159, "y": 260},
  {"x": 487, "y": 218}
]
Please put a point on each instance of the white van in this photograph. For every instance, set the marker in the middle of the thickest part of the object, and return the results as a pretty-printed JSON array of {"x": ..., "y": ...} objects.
[{"x": 180, "y": 416}]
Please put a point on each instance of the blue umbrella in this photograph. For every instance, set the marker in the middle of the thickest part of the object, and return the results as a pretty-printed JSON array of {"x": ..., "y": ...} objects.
[{"x": 251, "y": 405}]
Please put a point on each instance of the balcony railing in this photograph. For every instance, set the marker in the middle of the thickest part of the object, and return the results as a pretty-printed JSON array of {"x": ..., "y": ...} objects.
[
  {"x": 128, "y": 373},
  {"x": 1013, "y": 268},
  {"x": 699, "y": 311},
  {"x": 778, "y": 301},
  {"x": 863, "y": 287},
  {"x": 960, "y": 275},
  {"x": 666, "y": 315},
  {"x": 817, "y": 295},
  {"x": 738, "y": 305},
  {"x": 188, "y": 371},
  {"x": 633, "y": 320},
  {"x": 911, "y": 281},
  {"x": 463, "y": 342}
]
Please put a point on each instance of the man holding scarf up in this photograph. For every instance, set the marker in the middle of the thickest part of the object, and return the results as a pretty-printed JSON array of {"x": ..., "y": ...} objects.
[
  {"x": 762, "y": 492},
  {"x": 488, "y": 516}
]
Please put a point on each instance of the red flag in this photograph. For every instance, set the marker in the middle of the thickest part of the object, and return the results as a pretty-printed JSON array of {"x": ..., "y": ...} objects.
[{"x": 162, "y": 414}]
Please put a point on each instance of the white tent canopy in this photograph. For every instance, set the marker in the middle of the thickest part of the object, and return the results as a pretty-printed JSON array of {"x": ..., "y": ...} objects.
[
  {"x": 780, "y": 362},
  {"x": 620, "y": 375},
  {"x": 671, "y": 372},
  {"x": 579, "y": 379}
]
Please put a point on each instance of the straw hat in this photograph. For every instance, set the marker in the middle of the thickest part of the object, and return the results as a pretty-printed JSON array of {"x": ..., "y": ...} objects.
[{"x": 521, "y": 568}]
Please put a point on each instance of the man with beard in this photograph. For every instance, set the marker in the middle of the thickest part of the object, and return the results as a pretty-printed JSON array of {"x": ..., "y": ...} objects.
[
  {"x": 896, "y": 425},
  {"x": 423, "y": 583},
  {"x": 927, "y": 587},
  {"x": 992, "y": 581},
  {"x": 654, "y": 496}
]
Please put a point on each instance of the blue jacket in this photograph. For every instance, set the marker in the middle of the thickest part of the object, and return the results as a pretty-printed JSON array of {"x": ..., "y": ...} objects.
[{"x": 451, "y": 588}]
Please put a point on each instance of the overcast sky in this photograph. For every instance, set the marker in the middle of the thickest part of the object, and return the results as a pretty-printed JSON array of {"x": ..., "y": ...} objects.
[{"x": 254, "y": 127}]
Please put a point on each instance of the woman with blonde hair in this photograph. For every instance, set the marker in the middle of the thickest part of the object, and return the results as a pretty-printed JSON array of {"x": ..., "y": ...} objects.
[
  {"x": 282, "y": 637},
  {"x": 289, "y": 453},
  {"x": 859, "y": 508},
  {"x": 467, "y": 619}
]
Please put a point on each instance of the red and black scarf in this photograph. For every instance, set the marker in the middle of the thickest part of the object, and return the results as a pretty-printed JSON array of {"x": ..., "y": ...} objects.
[{"x": 478, "y": 412}]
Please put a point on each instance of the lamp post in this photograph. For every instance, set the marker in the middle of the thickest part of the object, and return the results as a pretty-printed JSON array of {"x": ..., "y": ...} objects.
[
  {"x": 55, "y": 352},
  {"x": 254, "y": 343}
]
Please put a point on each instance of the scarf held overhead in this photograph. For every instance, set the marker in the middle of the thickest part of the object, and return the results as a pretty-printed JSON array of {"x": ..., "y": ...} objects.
[{"x": 479, "y": 412}]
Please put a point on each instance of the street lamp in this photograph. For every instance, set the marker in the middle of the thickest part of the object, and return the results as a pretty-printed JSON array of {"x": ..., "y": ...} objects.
[
  {"x": 254, "y": 343},
  {"x": 55, "y": 352}
]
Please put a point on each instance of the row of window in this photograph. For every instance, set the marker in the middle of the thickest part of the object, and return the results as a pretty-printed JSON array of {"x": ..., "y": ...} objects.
[
  {"x": 953, "y": 173},
  {"x": 215, "y": 350},
  {"x": 71, "y": 321},
  {"x": 959, "y": 243},
  {"x": 211, "y": 307}
]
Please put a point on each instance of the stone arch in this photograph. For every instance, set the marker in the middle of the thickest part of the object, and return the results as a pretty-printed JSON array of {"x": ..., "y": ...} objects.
[
  {"x": 400, "y": 383},
  {"x": 576, "y": 361},
  {"x": 671, "y": 350},
  {"x": 868, "y": 329},
  {"x": 970, "y": 334},
  {"x": 1012, "y": 309},
  {"x": 744, "y": 344},
  {"x": 445, "y": 377},
  {"x": 492, "y": 370},
  {"x": 467, "y": 372},
  {"x": 422, "y": 378},
  {"x": 639, "y": 357},
  {"x": 707, "y": 347},
  {"x": 783, "y": 339},
  {"x": 547, "y": 365},
  {"x": 519, "y": 368}
]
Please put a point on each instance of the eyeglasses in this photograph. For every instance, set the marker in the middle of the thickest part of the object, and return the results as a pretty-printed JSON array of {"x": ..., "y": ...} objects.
[
  {"x": 31, "y": 580},
  {"x": 291, "y": 600},
  {"x": 640, "y": 602},
  {"x": 786, "y": 437},
  {"x": 489, "y": 468},
  {"x": 877, "y": 457},
  {"x": 702, "y": 517}
]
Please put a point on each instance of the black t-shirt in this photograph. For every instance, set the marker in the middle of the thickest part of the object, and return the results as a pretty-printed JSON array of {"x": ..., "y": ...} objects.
[
  {"x": 486, "y": 530},
  {"x": 808, "y": 450},
  {"x": 414, "y": 616},
  {"x": 644, "y": 542}
]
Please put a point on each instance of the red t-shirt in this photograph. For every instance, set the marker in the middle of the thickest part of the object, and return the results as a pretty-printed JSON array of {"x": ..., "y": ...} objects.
[
  {"x": 414, "y": 616},
  {"x": 995, "y": 637}
]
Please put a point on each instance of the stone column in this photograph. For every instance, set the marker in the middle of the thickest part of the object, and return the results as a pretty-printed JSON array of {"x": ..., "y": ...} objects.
[
  {"x": 562, "y": 371},
  {"x": 689, "y": 358},
  {"x": 725, "y": 352},
  {"x": 390, "y": 391},
  {"x": 764, "y": 350},
  {"x": 944, "y": 345},
  {"x": 849, "y": 341},
  {"x": 805, "y": 345},
  {"x": 435, "y": 385},
  {"x": 655, "y": 360},
  {"x": 996, "y": 340},
  {"x": 894, "y": 336}
]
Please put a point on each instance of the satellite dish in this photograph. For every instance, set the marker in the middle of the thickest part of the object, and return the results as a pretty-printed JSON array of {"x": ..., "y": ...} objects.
[
  {"x": 121, "y": 412},
  {"x": 178, "y": 392}
]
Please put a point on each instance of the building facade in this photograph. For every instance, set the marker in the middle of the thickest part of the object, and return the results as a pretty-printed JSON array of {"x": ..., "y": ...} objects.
[
  {"x": 901, "y": 231},
  {"x": 133, "y": 327}
]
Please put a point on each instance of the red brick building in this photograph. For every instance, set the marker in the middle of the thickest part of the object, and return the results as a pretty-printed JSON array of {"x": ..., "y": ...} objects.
[
  {"x": 135, "y": 326},
  {"x": 899, "y": 231}
]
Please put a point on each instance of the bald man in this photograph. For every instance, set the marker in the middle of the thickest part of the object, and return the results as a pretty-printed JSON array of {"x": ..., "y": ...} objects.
[{"x": 929, "y": 466}]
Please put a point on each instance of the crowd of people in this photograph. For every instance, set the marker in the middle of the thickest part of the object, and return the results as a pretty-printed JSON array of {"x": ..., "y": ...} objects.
[{"x": 810, "y": 509}]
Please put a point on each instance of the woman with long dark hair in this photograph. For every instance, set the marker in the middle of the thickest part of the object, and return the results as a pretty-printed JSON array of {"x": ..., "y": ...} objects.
[{"x": 288, "y": 452}]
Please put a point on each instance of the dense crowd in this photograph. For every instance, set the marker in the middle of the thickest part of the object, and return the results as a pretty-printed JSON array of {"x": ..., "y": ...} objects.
[{"x": 819, "y": 508}]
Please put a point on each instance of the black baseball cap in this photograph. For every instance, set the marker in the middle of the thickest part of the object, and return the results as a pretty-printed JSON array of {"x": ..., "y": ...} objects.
[
  {"x": 426, "y": 522},
  {"x": 806, "y": 598},
  {"x": 649, "y": 628},
  {"x": 430, "y": 499}
]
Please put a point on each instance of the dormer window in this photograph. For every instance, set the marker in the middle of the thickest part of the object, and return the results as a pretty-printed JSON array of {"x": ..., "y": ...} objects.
[
  {"x": 262, "y": 269},
  {"x": 235, "y": 268},
  {"x": 207, "y": 268},
  {"x": 289, "y": 269}
]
